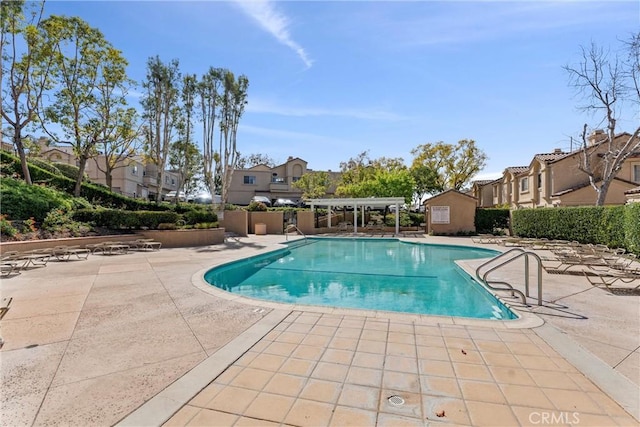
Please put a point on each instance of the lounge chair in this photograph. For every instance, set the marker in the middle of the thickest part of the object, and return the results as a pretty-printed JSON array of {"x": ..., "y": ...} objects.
[
  {"x": 24, "y": 260},
  {"x": 145, "y": 244},
  {"x": 109, "y": 248},
  {"x": 7, "y": 268},
  {"x": 64, "y": 253}
]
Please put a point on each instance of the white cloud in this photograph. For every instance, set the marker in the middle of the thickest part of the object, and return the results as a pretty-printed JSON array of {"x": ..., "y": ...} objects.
[
  {"x": 265, "y": 13},
  {"x": 263, "y": 106}
]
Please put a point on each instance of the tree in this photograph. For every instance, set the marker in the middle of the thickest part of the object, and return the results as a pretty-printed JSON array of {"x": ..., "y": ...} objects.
[
  {"x": 426, "y": 180},
  {"x": 606, "y": 82},
  {"x": 455, "y": 165},
  {"x": 208, "y": 101},
  {"x": 119, "y": 142},
  {"x": 88, "y": 70},
  {"x": 383, "y": 177},
  {"x": 233, "y": 101},
  {"x": 25, "y": 72},
  {"x": 182, "y": 154},
  {"x": 255, "y": 159},
  {"x": 314, "y": 185},
  {"x": 185, "y": 157},
  {"x": 160, "y": 105}
]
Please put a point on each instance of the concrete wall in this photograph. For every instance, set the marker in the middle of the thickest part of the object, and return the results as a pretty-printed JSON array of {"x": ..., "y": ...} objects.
[
  {"x": 29, "y": 245},
  {"x": 236, "y": 222},
  {"x": 306, "y": 222},
  {"x": 186, "y": 238},
  {"x": 274, "y": 221},
  {"x": 462, "y": 211}
]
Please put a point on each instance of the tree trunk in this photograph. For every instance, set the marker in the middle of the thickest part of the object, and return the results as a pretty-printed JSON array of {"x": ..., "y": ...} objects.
[
  {"x": 82, "y": 162},
  {"x": 17, "y": 141}
]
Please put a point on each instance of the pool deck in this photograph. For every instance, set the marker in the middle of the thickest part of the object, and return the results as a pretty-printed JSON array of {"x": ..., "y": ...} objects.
[{"x": 138, "y": 339}]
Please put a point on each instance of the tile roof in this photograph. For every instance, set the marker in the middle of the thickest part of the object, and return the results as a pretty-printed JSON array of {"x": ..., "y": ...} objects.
[
  {"x": 550, "y": 157},
  {"x": 635, "y": 190},
  {"x": 517, "y": 169}
]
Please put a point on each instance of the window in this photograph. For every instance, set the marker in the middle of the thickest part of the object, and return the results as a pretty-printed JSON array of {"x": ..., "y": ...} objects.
[
  {"x": 134, "y": 170},
  {"x": 539, "y": 180},
  {"x": 495, "y": 191},
  {"x": 173, "y": 181},
  {"x": 250, "y": 179},
  {"x": 524, "y": 184},
  {"x": 296, "y": 178},
  {"x": 277, "y": 180},
  {"x": 166, "y": 179},
  {"x": 636, "y": 173}
]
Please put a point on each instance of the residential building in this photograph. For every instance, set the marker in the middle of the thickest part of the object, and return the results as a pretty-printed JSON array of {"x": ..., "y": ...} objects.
[
  {"x": 131, "y": 177},
  {"x": 271, "y": 182},
  {"x": 555, "y": 179}
]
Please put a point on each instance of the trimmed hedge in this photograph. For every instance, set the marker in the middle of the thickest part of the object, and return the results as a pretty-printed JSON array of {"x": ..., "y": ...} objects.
[
  {"x": 487, "y": 220},
  {"x": 614, "y": 226},
  {"x": 123, "y": 219}
]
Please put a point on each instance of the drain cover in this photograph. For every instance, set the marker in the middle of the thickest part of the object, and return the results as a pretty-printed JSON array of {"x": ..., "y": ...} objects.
[{"x": 396, "y": 400}]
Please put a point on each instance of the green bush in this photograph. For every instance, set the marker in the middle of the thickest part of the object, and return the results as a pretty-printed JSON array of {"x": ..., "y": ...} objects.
[
  {"x": 614, "y": 226},
  {"x": 257, "y": 207},
  {"x": 70, "y": 171},
  {"x": 48, "y": 166},
  {"x": 199, "y": 215},
  {"x": 22, "y": 201},
  {"x": 631, "y": 226},
  {"x": 122, "y": 219},
  {"x": 491, "y": 220},
  {"x": 6, "y": 229}
]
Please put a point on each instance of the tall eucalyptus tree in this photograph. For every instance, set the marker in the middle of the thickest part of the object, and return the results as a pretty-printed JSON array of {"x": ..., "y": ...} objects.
[
  {"x": 233, "y": 101},
  {"x": 161, "y": 113},
  {"x": 25, "y": 70},
  {"x": 209, "y": 97},
  {"x": 88, "y": 70}
]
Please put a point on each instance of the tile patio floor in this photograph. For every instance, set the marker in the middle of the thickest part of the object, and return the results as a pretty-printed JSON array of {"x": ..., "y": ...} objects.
[{"x": 137, "y": 340}]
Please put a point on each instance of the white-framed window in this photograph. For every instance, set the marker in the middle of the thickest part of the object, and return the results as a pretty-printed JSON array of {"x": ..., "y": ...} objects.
[
  {"x": 134, "y": 170},
  {"x": 635, "y": 173},
  {"x": 524, "y": 184},
  {"x": 250, "y": 179}
]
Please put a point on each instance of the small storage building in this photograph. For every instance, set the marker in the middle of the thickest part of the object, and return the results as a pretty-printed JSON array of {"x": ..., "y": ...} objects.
[{"x": 450, "y": 212}]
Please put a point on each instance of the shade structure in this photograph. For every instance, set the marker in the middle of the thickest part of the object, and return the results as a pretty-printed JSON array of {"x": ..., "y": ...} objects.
[{"x": 358, "y": 202}]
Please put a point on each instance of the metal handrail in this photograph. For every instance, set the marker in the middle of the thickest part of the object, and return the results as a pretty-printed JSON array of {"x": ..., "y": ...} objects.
[
  {"x": 288, "y": 227},
  {"x": 521, "y": 254}
]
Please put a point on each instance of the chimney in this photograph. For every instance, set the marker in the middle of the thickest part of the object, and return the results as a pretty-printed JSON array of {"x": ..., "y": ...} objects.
[
  {"x": 596, "y": 136},
  {"x": 557, "y": 151}
]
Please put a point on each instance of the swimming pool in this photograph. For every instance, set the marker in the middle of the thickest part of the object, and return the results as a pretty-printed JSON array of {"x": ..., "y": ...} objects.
[{"x": 371, "y": 274}]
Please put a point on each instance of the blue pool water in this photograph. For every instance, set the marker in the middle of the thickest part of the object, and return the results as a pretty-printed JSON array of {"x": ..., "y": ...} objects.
[{"x": 372, "y": 274}]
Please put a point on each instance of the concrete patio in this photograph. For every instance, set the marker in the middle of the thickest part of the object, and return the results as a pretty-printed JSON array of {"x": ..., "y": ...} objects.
[{"x": 137, "y": 339}]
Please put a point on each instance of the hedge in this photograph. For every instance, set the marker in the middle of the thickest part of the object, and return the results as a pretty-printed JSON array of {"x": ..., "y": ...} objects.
[
  {"x": 487, "y": 220},
  {"x": 123, "y": 219},
  {"x": 614, "y": 226}
]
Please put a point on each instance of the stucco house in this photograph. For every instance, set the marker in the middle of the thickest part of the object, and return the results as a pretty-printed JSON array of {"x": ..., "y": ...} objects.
[
  {"x": 271, "y": 182},
  {"x": 555, "y": 179}
]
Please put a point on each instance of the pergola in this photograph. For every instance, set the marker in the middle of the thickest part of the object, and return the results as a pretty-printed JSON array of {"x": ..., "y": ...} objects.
[{"x": 362, "y": 203}]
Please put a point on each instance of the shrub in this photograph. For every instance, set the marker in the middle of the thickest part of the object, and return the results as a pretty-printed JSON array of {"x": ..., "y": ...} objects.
[
  {"x": 22, "y": 201},
  {"x": 6, "y": 229},
  {"x": 43, "y": 164},
  {"x": 615, "y": 226},
  {"x": 257, "y": 207},
  {"x": 199, "y": 216},
  {"x": 59, "y": 221},
  {"x": 205, "y": 225},
  {"x": 491, "y": 220},
  {"x": 70, "y": 171}
]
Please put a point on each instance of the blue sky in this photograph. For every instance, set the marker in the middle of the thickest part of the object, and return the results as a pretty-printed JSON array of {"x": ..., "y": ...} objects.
[{"x": 330, "y": 79}]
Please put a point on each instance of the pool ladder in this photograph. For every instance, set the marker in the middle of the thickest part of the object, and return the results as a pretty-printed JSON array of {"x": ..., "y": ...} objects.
[
  {"x": 514, "y": 254},
  {"x": 294, "y": 227}
]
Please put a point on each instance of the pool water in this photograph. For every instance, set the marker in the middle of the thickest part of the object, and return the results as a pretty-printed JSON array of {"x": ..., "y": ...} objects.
[{"x": 371, "y": 274}]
